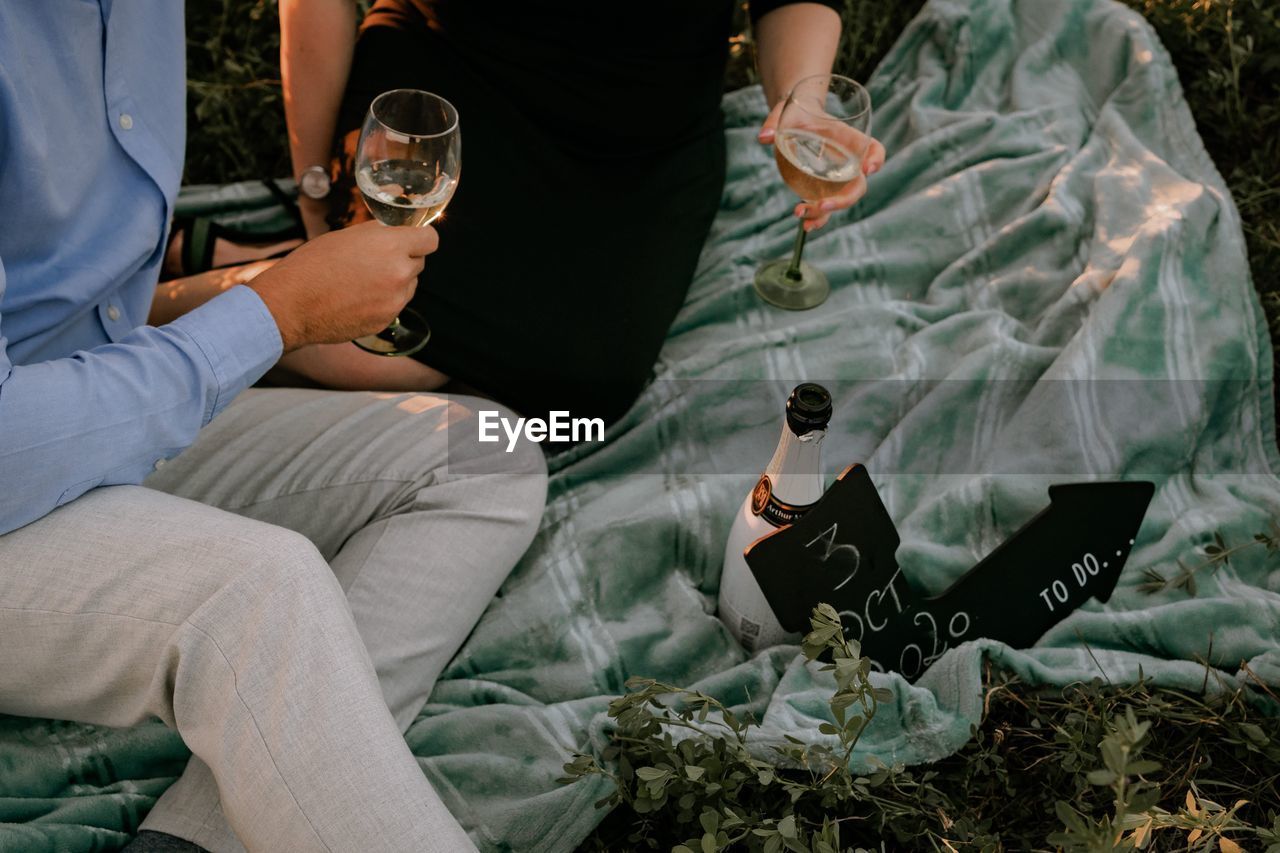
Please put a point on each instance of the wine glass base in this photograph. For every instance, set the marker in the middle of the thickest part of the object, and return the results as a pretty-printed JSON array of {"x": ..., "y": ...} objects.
[
  {"x": 405, "y": 336},
  {"x": 809, "y": 290}
]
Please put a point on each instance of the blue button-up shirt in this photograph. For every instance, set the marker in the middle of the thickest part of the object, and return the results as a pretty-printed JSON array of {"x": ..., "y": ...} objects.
[{"x": 92, "y": 126}]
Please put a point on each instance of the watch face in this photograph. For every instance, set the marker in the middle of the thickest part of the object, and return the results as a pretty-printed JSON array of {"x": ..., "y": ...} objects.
[{"x": 314, "y": 184}]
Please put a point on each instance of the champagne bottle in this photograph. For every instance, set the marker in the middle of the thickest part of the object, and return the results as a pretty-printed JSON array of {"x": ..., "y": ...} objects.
[{"x": 791, "y": 484}]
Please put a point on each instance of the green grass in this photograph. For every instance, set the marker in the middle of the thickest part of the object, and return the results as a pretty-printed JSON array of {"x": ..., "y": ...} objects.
[{"x": 235, "y": 110}]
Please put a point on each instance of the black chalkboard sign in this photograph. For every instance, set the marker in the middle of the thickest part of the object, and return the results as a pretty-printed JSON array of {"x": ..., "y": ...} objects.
[{"x": 843, "y": 552}]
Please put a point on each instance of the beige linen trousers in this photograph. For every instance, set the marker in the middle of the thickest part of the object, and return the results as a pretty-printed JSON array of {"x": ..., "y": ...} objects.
[{"x": 284, "y": 594}]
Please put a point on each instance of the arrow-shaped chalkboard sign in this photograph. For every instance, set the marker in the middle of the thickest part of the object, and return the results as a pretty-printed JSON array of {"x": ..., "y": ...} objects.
[{"x": 843, "y": 552}]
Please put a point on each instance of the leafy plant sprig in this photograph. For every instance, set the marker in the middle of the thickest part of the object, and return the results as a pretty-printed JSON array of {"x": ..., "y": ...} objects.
[
  {"x": 1135, "y": 816},
  {"x": 1217, "y": 553},
  {"x": 710, "y": 788},
  {"x": 705, "y": 790}
]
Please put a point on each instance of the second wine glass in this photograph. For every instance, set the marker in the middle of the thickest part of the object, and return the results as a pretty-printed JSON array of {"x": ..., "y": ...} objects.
[
  {"x": 822, "y": 137},
  {"x": 407, "y": 165}
]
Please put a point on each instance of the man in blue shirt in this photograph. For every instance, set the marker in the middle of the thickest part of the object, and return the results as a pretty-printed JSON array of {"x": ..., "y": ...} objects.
[{"x": 282, "y": 584}]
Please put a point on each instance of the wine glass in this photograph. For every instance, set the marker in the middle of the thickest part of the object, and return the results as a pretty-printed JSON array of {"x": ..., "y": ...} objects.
[
  {"x": 407, "y": 165},
  {"x": 823, "y": 134}
]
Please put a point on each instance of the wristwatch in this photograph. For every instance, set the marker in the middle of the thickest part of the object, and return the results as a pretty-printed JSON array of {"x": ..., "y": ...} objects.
[{"x": 314, "y": 182}]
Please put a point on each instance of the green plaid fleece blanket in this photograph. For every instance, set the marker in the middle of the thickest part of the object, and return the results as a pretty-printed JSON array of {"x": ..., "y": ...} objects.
[{"x": 1046, "y": 283}]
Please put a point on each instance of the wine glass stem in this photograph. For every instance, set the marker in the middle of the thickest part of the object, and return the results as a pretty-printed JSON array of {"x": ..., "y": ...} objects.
[
  {"x": 392, "y": 331},
  {"x": 793, "y": 271}
]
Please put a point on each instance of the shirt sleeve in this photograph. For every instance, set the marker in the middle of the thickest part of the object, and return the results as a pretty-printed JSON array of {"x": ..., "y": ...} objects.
[
  {"x": 105, "y": 416},
  {"x": 760, "y": 8}
]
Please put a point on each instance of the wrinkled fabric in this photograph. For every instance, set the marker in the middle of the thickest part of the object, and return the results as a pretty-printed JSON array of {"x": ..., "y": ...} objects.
[{"x": 1047, "y": 227}]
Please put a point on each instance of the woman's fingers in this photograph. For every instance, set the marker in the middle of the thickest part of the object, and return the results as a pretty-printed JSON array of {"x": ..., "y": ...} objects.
[
  {"x": 816, "y": 215},
  {"x": 847, "y": 197},
  {"x": 868, "y": 148},
  {"x": 873, "y": 160},
  {"x": 768, "y": 130},
  {"x": 815, "y": 224},
  {"x": 811, "y": 216}
]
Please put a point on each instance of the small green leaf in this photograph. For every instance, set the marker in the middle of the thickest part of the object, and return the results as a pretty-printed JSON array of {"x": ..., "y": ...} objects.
[
  {"x": 1255, "y": 733},
  {"x": 1144, "y": 800},
  {"x": 1101, "y": 778},
  {"x": 1070, "y": 818},
  {"x": 825, "y": 612}
]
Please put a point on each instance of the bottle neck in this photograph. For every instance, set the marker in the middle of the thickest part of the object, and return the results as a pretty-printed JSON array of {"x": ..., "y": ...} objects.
[{"x": 795, "y": 472}]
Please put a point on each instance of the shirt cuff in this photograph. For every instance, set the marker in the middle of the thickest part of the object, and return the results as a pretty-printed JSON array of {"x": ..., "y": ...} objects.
[{"x": 239, "y": 338}]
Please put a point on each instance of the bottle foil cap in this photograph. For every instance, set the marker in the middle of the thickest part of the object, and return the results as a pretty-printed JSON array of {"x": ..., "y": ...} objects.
[{"x": 808, "y": 408}]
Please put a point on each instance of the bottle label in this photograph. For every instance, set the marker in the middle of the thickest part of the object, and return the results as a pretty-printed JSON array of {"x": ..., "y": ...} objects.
[
  {"x": 766, "y": 505},
  {"x": 760, "y": 495}
]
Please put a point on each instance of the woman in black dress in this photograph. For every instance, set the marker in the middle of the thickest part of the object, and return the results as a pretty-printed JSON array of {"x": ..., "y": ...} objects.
[{"x": 594, "y": 159}]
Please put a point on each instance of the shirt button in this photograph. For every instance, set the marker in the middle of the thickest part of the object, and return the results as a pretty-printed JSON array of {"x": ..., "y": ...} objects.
[
  {"x": 126, "y": 121},
  {"x": 113, "y": 313},
  {"x": 160, "y": 463}
]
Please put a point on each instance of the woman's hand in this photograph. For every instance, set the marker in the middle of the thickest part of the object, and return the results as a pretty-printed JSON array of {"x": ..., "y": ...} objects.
[
  {"x": 815, "y": 216},
  {"x": 314, "y": 213}
]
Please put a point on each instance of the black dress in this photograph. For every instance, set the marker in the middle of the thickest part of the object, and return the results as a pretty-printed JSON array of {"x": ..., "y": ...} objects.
[{"x": 593, "y": 160}]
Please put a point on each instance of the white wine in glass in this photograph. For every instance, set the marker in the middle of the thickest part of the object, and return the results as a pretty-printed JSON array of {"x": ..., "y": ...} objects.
[
  {"x": 822, "y": 137},
  {"x": 401, "y": 192},
  {"x": 407, "y": 166}
]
